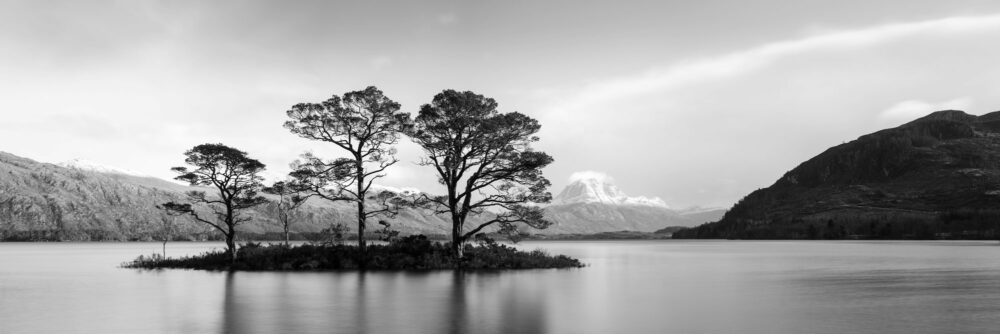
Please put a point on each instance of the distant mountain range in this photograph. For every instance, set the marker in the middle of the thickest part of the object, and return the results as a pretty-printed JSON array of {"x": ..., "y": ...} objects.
[
  {"x": 48, "y": 202},
  {"x": 592, "y": 187},
  {"x": 83, "y": 200},
  {"x": 935, "y": 177},
  {"x": 594, "y": 204}
]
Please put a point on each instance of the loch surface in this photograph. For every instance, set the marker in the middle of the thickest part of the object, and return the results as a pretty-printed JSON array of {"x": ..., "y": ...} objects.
[{"x": 662, "y": 286}]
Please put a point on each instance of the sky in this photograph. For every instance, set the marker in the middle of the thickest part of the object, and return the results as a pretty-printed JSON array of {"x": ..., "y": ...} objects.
[{"x": 696, "y": 102}]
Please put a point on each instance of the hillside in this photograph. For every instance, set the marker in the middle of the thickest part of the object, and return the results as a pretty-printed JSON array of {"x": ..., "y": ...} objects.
[
  {"x": 935, "y": 177},
  {"x": 47, "y": 202},
  {"x": 41, "y": 201},
  {"x": 82, "y": 200}
]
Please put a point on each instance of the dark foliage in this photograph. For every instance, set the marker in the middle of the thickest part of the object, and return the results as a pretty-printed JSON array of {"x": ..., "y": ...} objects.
[
  {"x": 365, "y": 124},
  {"x": 485, "y": 161},
  {"x": 407, "y": 253},
  {"x": 937, "y": 177},
  {"x": 235, "y": 178}
]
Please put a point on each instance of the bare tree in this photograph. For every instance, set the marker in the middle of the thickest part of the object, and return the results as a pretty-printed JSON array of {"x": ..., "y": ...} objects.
[
  {"x": 233, "y": 175},
  {"x": 167, "y": 229},
  {"x": 288, "y": 202},
  {"x": 366, "y": 124},
  {"x": 485, "y": 161}
]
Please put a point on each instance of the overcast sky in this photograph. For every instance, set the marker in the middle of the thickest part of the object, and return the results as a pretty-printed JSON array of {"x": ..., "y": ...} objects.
[{"x": 697, "y": 102}]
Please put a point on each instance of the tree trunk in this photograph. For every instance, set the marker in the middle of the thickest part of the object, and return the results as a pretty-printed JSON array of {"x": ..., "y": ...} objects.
[
  {"x": 458, "y": 249},
  {"x": 361, "y": 226},
  {"x": 360, "y": 170},
  {"x": 231, "y": 233},
  {"x": 456, "y": 238},
  {"x": 164, "y": 248},
  {"x": 286, "y": 234},
  {"x": 231, "y": 244}
]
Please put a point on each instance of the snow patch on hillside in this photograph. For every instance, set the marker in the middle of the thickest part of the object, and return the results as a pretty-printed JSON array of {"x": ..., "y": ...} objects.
[
  {"x": 402, "y": 191},
  {"x": 88, "y": 165}
]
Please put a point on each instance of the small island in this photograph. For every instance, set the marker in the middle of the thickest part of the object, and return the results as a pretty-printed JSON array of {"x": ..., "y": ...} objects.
[
  {"x": 481, "y": 156},
  {"x": 414, "y": 252}
]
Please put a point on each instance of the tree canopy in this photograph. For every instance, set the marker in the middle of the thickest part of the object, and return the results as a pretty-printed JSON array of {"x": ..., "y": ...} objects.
[
  {"x": 235, "y": 179},
  {"x": 365, "y": 124},
  {"x": 485, "y": 161},
  {"x": 288, "y": 202}
]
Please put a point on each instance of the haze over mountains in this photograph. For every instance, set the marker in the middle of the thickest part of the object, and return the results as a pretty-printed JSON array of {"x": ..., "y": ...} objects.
[
  {"x": 85, "y": 200},
  {"x": 88, "y": 165},
  {"x": 592, "y": 203},
  {"x": 935, "y": 177}
]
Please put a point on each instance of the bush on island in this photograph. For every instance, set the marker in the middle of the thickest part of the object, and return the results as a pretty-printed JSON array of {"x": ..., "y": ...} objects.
[{"x": 414, "y": 252}]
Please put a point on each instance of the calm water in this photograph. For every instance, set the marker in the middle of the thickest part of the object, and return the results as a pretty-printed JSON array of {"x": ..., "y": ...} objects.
[{"x": 629, "y": 287}]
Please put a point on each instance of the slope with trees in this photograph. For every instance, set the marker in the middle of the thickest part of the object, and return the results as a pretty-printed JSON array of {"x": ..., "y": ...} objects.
[
  {"x": 41, "y": 201},
  {"x": 935, "y": 177}
]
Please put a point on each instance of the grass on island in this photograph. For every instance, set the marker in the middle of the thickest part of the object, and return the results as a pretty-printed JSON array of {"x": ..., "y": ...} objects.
[{"x": 407, "y": 253}]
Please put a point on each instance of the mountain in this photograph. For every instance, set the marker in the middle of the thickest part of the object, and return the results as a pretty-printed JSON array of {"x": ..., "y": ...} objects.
[
  {"x": 599, "y": 188},
  {"x": 592, "y": 203},
  {"x": 88, "y": 165},
  {"x": 934, "y": 177},
  {"x": 81, "y": 200},
  {"x": 699, "y": 215},
  {"x": 40, "y": 201}
]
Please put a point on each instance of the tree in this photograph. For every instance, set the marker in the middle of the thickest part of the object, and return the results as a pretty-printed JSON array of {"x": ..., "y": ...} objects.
[
  {"x": 485, "y": 161},
  {"x": 168, "y": 228},
  {"x": 366, "y": 124},
  {"x": 288, "y": 202},
  {"x": 233, "y": 175}
]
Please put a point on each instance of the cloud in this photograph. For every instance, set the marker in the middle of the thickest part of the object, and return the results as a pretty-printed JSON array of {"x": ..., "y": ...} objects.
[
  {"x": 699, "y": 70},
  {"x": 912, "y": 109},
  {"x": 752, "y": 114},
  {"x": 447, "y": 18},
  {"x": 589, "y": 174},
  {"x": 381, "y": 62}
]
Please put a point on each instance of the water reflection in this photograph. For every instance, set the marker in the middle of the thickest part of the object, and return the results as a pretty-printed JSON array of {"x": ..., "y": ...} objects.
[
  {"x": 458, "y": 316},
  {"x": 629, "y": 287},
  {"x": 232, "y": 321},
  {"x": 362, "y": 308},
  {"x": 379, "y": 302}
]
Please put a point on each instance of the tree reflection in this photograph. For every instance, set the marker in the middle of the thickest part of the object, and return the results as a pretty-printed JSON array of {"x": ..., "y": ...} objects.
[
  {"x": 457, "y": 305},
  {"x": 362, "y": 309},
  {"x": 382, "y": 302},
  {"x": 522, "y": 312},
  {"x": 233, "y": 320},
  {"x": 498, "y": 305}
]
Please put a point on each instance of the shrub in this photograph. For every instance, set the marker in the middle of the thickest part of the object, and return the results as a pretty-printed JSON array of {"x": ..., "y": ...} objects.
[{"x": 414, "y": 252}]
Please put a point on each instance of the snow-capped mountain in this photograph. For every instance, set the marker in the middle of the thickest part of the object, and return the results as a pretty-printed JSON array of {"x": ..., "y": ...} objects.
[
  {"x": 595, "y": 187},
  {"x": 88, "y": 165},
  {"x": 398, "y": 190},
  {"x": 592, "y": 203},
  {"x": 83, "y": 200}
]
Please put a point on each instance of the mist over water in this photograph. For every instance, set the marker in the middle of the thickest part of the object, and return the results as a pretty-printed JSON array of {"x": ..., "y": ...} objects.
[{"x": 628, "y": 287}]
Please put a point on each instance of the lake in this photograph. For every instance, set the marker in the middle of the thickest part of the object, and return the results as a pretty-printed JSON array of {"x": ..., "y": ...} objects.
[{"x": 662, "y": 286}]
